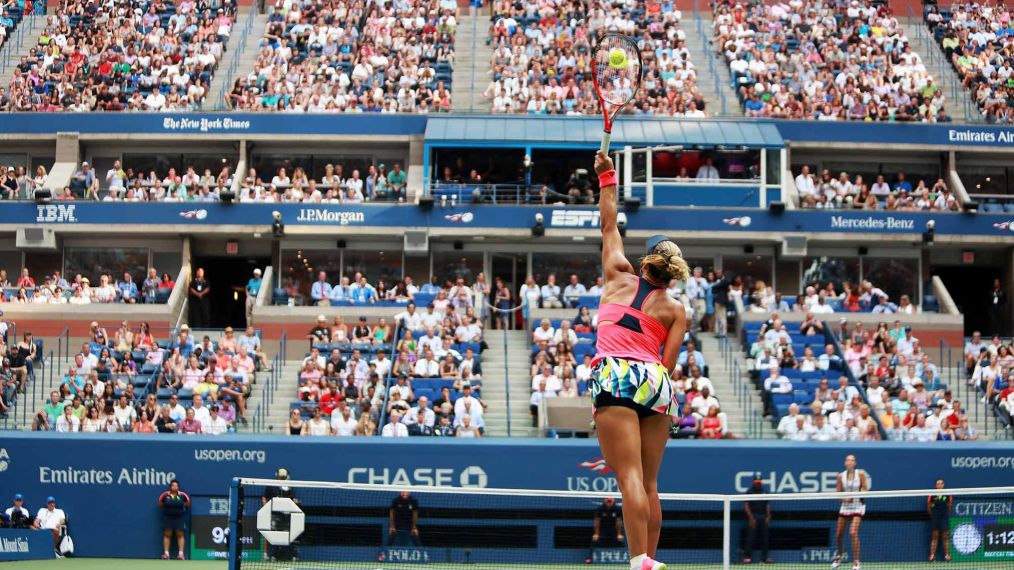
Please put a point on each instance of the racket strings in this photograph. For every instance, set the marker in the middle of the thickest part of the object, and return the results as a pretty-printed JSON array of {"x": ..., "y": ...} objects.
[{"x": 617, "y": 69}]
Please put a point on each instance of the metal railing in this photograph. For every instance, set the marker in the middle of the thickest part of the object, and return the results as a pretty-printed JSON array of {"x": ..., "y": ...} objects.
[
  {"x": 238, "y": 51},
  {"x": 26, "y": 26},
  {"x": 971, "y": 395},
  {"x": 37, "y": 386},
  {"x": 267, "y": 391},
  {"x": 956, "y": 95},
  {"x": 507, "y": 381},
  {"x": 63, "y": 345},
  {"x": 389, "y": 380},
  {"x": 830, "y": 338},
  {"x": 741, "y": 389}
]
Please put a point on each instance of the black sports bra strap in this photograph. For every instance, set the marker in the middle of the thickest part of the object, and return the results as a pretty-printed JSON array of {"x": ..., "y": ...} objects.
[{"x": 644, "y": 288}]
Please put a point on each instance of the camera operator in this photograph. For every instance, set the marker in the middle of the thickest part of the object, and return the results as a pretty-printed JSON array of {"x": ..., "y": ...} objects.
[
  {"x": 18, "y": 516},
  {"x": 579, "y": 188}
]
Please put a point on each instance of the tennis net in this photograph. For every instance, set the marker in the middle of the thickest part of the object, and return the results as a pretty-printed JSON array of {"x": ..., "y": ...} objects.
[{"x": 320, "y": 525}]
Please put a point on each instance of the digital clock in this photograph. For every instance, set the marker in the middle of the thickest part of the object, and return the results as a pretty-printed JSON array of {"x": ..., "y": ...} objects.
[{"x": 998, "y": 537}]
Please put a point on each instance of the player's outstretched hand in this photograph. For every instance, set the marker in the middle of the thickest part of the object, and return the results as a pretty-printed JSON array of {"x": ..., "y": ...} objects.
[{"x": 602, "y": 162}]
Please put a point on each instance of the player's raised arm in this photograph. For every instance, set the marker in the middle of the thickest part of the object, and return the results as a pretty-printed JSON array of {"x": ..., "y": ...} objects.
[{"x": 613, "y": 259}]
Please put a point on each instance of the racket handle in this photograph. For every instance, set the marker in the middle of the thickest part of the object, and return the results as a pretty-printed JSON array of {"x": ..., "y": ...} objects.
[{"x": 605, "y": 142}]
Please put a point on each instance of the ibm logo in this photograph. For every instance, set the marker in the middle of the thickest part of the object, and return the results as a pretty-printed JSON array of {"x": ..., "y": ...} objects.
[{"x": 56, "y": 214}]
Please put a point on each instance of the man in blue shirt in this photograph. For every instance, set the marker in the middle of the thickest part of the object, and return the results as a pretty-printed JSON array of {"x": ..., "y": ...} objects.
[
  {"x": 431, "y": 288},
  {"x": 902, "y": 184},
  {"x": 320, "y": 289},
  {"x": 128, "y": 289},
  {"x": 253, "y": 287},
  {"x": 365, "y": 293},
  {"x": 691, "y": 350}
]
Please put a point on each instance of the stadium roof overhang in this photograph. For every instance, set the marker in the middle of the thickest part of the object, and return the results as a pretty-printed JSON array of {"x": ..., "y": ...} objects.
[{"x": 578, "y": 132}]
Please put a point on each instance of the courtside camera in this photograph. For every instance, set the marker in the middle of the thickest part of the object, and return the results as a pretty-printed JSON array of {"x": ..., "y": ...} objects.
[
  {"x": 538, "y": 229},
  {"x": 277, "y": 227},
  {"x": 621, "y": 223},
  {"x": 930, "y": 233}
]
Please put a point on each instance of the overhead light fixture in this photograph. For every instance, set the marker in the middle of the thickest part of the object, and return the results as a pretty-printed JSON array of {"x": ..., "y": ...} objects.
[{"x": 538, "y": 230}]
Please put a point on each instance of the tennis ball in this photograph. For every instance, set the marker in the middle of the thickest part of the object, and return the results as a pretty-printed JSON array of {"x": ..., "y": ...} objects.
[{"x": 617, "y": 58}]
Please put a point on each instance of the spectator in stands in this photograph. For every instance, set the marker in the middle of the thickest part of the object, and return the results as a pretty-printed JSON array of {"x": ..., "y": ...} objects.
[
  {"x": 550, "y": 293},
  {"x": 467, "y": 429},
  {"x": 573, "y": 291},
  {"x": 787, "y": 427},
  {"x": 395, "y": 428},
  {"x": 538, "y": 397}
]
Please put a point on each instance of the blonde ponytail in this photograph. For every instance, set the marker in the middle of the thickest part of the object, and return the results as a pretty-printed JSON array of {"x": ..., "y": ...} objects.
[
  {"x": 665, "y": 263},
  {"x": 678, "y": 268}
]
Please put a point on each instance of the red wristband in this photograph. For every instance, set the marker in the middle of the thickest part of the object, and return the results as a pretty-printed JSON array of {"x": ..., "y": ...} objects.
[{"x": 607, "y": 178}]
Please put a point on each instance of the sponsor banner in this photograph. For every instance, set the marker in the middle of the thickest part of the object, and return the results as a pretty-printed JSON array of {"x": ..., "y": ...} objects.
[
  {"x": 25, "y": 544},
  {"x": 213, "y": 124},
  {"x": 238, "y": 124},
  {"x": 212, "y": 217},
  {"x": 897, "y": 133},
  {"x": 133, "y": 470}
]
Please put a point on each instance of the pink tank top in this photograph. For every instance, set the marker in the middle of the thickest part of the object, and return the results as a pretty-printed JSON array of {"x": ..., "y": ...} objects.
[{"x": 627, "y": 332}]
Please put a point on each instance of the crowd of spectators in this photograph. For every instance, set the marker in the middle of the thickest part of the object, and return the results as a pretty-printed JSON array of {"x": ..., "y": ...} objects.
[
  {"x": 130, "y": 382},
  {"x": 990, "y": 372},
  {"x": 350, "y": 56},
  {"x": 540, "y": 62},
  {"x": 54, "y": 289},
  {"x": 116, "y": 56},
  {"x": 430, "y": 387},
  {"x": 976, "y": 37},
  {"x": 828, "y": 191},
  {"x": 825, "y": 61},
  {"x": 119, "y": 184},
  {"x": 825, "y": 300},
  {"x": 336, "y": 186},
  {"x": 897, "y": 387}
]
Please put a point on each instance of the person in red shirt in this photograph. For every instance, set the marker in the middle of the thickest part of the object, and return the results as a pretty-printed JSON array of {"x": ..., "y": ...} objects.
[
  {"x": 330, "y": 400},
  {"x": 25, "y": 280}
]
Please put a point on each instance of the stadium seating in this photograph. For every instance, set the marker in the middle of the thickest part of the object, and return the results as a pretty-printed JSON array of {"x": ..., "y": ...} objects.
[
  {"x": 785, "y": 63},
  {"x": 539, "y": 63},
  {"x": 158, "y": 57},
  {"x": 975, "y": 37},
  {"x": 347, "y": 55}
]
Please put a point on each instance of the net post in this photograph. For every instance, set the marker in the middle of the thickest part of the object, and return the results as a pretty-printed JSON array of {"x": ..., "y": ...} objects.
[
  {"x": 235, "y": 526},
  {"x": 726, "y": 531}
]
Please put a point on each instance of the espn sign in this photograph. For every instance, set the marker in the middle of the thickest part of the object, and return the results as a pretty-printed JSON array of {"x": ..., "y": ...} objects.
[{"x": 574, "y": 219}]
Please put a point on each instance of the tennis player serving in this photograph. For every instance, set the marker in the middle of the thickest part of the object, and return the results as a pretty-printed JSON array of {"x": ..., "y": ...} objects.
[{"x": 633, "y": 400}]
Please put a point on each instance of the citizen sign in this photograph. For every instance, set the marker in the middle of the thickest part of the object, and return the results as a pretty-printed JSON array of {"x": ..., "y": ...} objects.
[
  {"x": 574, "y": 219},
  {"x": 56, "y": 214}
]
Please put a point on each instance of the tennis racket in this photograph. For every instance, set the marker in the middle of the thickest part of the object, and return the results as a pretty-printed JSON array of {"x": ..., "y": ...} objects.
[{"x": 616, "y": 75}]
